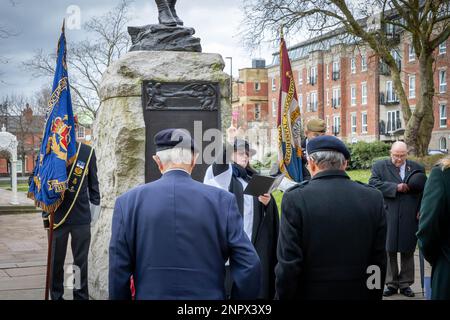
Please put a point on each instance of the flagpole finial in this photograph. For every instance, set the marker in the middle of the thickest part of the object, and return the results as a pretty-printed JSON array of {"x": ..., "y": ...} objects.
[
  {"x": 281, "y": 31},
  {"x": 63, "y": 25}
]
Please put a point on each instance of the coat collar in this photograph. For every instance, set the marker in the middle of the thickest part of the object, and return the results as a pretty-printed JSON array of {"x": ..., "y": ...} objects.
[
  {"x": 391, "y": 166},
  {"x": 176, "y": 173},
  {"x": 331, "y": 174}
]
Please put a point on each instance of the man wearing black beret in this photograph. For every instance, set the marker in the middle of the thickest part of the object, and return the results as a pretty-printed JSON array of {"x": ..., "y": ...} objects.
[
  {"x": 330, "y": 240},
  {"x": 174, "y": 234}
]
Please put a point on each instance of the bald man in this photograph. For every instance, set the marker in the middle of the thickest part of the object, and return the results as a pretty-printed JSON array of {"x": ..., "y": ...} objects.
[{"x": 403, "y": 204}]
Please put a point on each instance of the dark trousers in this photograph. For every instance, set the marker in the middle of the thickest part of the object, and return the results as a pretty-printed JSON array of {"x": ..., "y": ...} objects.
[
  {"x": 404, "y": 278},
  {"x": 80, "y": 241}
]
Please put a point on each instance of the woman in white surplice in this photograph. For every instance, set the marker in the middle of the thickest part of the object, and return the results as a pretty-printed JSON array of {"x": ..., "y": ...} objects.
[{"x": 260, "y": 214}]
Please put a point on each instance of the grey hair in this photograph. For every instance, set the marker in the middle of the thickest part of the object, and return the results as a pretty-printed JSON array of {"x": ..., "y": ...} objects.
[
  {"x": 328, "y": 160},
  {"x": 176, "y": 156}
]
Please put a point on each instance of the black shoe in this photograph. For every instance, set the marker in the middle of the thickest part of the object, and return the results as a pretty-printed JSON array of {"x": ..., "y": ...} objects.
[
  {"x": 407, "y": 292},
  {"x": 389, "y": 291}
]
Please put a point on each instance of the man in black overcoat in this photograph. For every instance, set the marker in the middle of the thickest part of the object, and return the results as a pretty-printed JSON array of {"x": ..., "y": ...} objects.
[{"x": 332, "y": 232}]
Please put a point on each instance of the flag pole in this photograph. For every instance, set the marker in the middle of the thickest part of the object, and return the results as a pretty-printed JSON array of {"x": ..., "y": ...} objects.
[{"x": 48, "y": 278}]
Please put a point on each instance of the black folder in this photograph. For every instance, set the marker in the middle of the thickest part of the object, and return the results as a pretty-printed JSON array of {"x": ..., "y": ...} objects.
[{"x": 259, "y": 185}]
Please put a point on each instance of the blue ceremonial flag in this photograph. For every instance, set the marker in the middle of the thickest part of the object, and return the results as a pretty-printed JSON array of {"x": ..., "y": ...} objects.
[
  {"x": 58, "y": 148},
  {"x": 288, "y": 121}
]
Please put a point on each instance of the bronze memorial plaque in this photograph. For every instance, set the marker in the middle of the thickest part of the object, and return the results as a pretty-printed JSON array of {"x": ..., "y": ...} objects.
[{"x": 186, "y": 105}]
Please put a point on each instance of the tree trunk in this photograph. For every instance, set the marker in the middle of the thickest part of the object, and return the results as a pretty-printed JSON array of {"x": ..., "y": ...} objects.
[{"x": 420, "y": 125}]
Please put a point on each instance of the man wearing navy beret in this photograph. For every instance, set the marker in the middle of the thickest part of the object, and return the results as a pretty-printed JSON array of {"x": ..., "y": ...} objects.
[
  {"x": 174, "y": 235},
  {"x": 330, "y": 240}
]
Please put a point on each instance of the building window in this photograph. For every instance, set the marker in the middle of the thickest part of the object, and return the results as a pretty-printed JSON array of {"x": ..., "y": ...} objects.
[
  {"x": 390, "y": 94},
  {"x": 364, "y": 122},
  {"x": 257, "y": 86},
  {"x": 411, "y": 53},
  {"x": 328, "y": 71},
  {"x": 328, "y": 123},
  {"x": 363, "y": 63},
  {"x": 443, "y": 116},
  {"x": 442, "y": 81},
  {"x": 19, "y": 166},
  {"x": 257, "y": 111},
  {"x": 353, "y": 65},
  {"x": 300, "y": 79},
  {"x": 336, "y": 70},
  {"x": 336, "y": 125},
  {"x": 274, "y": 108},
  {"x": 300, "y": 103},
  {"x": 394, "y": 121},
  {"x": 313, "y": 102},
  {"x": 443, "y": 144},
  {"x": 364, "y": 93},
  {"x": 328, "y": 97},
  {"x": 274, "y": 85},
  {"x": 412, "y": 87},
  {"x": 80, "y": 132},
  {"x": 313, "y": 76},
  {"x": 336, "y": 97},
  {"x": 353, "y": 123},
  {"x": 353, "y": 95},
  {"x": 443, "y": 48}
]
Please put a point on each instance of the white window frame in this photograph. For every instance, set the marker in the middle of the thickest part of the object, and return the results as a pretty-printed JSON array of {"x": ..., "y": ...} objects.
[
  {"x": 327, "y": 71},
  {"x": 411, "y": 86},
  {"x": 353, "y": 95},
  {"x": 353, "y": 122},
  {"x": 389, "y": 91},
  {"x": 337, "y": 96},
  {"x": 274, "y": 84},
  {"x": 337, "y": 123},
  {"x": 313, "y": 74},
  {"x": 411, "y": 53},
  {"x": 336, "y": 66},
  {"x": 257, "y": 111},
  {"x": 363, "y": 63},
  {"x": 81, "y": 132},
  {"x": 442, "y": 81},
  {"x": 442, "y": 115},
  {"x": 274, "y": 108},
  {"x": 440, "y": 144},
  {"x": 364, "y": 93},
  {"x": 19, "y": 166},
  {"x": 353, "y": 65},
  {"x": 300, "y": 78},
  {"x": 300, "y": 103},
  {"x": 364, "y": 125},
  {"x": 443, "y": 47},
  {"x": 393, "y": 115},
  {"x": 313, "y": 101},
  {"x": 257, "y": 86}
]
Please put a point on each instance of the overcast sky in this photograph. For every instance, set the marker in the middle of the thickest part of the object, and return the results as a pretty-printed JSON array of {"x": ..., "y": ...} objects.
[{"x": 38, "y": 23}]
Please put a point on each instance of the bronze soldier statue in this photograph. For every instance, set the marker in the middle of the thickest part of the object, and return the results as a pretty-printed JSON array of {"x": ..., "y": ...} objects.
[{"x": 167, "y": 14}]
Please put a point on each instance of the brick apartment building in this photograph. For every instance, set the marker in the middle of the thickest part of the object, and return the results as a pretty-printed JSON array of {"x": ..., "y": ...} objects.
[
  {"x": 349, "y": 87},
  {"x": 28, "y": 129}
]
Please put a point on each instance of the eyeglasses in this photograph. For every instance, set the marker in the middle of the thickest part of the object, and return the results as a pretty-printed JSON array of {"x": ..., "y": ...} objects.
[{"x": 399, "y": 156}]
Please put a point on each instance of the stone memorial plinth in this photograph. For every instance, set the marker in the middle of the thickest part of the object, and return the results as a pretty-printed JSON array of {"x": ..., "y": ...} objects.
[{"x": 120, "y": 132}]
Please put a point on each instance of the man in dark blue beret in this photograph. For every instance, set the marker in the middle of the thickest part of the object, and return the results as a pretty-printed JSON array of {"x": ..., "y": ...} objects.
[
  {"x": 173, "y": 235},
  {"x": 332, "y": 232}
]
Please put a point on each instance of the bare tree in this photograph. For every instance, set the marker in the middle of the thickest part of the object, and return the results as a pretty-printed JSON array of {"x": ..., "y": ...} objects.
[
  {"x": 20, "y": 119},
  {"x": 88, "y": 59},
  {"x": 427, "y": 22}
]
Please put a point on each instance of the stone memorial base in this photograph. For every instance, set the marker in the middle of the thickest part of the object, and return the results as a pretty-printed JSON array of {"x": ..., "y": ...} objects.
[{"x": 120, "y": 133}]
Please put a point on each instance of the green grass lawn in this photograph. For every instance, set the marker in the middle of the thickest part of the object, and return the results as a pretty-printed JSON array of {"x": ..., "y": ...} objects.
[
  {"x": 357, "y": 175},
  {"x": 21, "y": 187}
]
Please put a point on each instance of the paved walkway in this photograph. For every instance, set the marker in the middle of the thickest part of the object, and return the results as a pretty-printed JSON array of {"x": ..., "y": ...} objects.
[{"x": 23, "y": 258}]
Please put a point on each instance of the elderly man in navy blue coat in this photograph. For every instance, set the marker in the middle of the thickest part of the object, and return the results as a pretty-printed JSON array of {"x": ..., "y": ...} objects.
[{"x": 175, "y": 234}]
